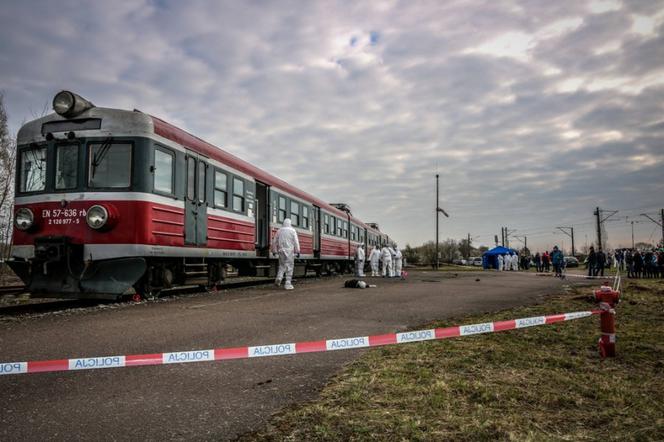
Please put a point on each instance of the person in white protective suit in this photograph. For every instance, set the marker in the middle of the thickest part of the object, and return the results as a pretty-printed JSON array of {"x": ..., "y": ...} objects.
[
  {"x": 398, "y": 262},
  {"x": 386, "y": 258},
  {"x": 286, "y": 245},
  {"x": 394, "y": 256},
  {"x": 500, "y": 263},
  {"x": 515, "y": 262},
  {"x": 359, "y": 261},
  {"x": 374, "y": 259}
]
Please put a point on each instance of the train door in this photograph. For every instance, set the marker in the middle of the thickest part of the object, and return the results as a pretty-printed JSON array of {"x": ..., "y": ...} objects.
[
  {"x": 317, "y": 226},
  {"x": 262, "y": 219},
  {"x": 195, "y": 219}
]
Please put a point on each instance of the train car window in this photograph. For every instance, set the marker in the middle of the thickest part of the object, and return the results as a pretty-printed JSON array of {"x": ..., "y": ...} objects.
[
  {"x": 353, "y": 233},
  {"x": 337, "y": 227},
  {"x": 238, "y": 195},
  {"x": 344, "y": 231},
  {"x": 66, "y": 166},
  {"x": 282, "y": 209},
  {"x": 191, "y": 178},
  {"x": 33, "y": 170},
  {"x": 220, "y": 189},
  {"x": 110, "y": 165},
  {"x": 164, "y": 168},
  {"x": 327, "y": 224},
  {"x": 202, "y": 172},
  {"x": 295, "y": 213},
  {"x": 305, "y": 217}
]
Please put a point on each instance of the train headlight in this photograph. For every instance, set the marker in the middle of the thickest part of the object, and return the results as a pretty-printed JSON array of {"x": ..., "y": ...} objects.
[
  {"x": 63, "y": 102},
  {"x": 97, "y": 217},
  {"x": 69, "y": 104},
  {"x": 24, "y": 219}
]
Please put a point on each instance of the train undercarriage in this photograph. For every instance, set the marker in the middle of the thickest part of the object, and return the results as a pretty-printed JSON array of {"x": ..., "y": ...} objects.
[{"x": 59, "y": 270}]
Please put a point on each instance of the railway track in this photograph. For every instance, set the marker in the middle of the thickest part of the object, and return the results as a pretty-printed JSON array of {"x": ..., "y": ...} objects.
[
  {"x": 12, "y": 290},
  {"x": 39, "y": 306}
]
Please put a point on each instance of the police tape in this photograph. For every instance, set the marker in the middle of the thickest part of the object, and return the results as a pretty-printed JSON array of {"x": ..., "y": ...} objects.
[{"x": 221, "y": 354}]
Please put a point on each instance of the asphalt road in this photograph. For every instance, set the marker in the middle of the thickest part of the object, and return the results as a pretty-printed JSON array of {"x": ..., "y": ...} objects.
[{"x": 219, "y": 400}]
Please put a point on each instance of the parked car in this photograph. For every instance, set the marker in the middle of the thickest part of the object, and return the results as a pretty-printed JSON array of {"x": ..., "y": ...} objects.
[
  {"x": 460, "y": 262},
  {"x": 571, "y": 261},
  {"x": 475, "y": 261}
]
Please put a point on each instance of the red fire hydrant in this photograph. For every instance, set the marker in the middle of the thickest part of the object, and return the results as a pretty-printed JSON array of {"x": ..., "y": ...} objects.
[{"x": 607, "y": 298}]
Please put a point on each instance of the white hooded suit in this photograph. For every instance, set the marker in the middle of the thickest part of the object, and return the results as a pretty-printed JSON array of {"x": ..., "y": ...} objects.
[
  {"x": 398, "y": 262},
  {"x": 374, "y": 259},
  {"x": 386, "y": 257},
  {"x": 359, "y": 261},
  {"x": 286, "y": 245}
]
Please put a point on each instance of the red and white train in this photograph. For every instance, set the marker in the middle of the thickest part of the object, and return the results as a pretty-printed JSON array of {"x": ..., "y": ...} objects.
[{"x": 112, "y": 203}]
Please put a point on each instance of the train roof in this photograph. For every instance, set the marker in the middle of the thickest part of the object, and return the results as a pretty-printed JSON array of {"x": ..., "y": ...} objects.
[{"x": 118, "y": 122}]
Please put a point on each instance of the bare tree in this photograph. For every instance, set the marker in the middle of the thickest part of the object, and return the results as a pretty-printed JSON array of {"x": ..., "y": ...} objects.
[{"x": 7, "y": 167}]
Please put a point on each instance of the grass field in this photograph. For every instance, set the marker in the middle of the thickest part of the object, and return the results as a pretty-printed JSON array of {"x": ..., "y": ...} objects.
[{"x": 543, "y": 383}]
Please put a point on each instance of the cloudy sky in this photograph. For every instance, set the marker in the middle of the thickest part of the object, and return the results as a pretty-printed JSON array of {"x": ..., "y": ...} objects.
[{"x": 532, "y": 112}]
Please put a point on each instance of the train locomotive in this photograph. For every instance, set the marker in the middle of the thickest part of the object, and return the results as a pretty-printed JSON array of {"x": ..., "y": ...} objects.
[{"x": 112, "y": 203}]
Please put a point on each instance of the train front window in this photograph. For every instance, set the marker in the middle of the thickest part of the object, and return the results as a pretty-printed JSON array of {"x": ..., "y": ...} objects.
[
  {"x": 33, "y": 170},
  {"x": 110, "y": 165},
  {"x": 66, "y": 166}
]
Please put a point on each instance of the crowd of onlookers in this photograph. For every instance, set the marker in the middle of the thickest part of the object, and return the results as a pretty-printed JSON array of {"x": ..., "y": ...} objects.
[
  {"x": 636, "y": 263},
  {"x": 640, "y": 263}
]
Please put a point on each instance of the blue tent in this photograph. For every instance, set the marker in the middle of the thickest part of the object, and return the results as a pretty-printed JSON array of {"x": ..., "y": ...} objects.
[{"x": 490, "y": 257}]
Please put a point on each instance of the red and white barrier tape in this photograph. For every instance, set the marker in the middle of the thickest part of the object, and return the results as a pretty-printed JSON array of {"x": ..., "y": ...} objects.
[{"x": 220, "y": 354}]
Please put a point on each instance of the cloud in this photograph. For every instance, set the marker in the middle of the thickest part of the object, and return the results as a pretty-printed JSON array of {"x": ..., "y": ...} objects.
[{"x": 532, "y": 113}]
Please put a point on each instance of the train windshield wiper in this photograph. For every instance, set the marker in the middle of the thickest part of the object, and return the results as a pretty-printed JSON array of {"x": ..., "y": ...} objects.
[{"x": 99, "y": 156}]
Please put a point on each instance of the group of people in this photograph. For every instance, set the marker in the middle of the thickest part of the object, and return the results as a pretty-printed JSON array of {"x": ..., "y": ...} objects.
[
  {"x": 286, "y": 246},
  {"x": 543, "y": 262},
  {"x": 596, "y": 262},
  {"x": 508, "y": 261},
  {"x": 389, "y": 259},
  {"x": 640, "y": 263}
]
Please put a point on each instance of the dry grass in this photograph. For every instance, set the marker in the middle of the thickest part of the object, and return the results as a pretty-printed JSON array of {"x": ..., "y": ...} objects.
[{"x": 544, "y": 383}]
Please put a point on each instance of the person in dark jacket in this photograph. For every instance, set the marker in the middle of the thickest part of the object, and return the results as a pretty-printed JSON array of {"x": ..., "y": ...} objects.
[
  {"x": 638, "y": 264},
  {"x": 629, "y": 261},
  {"x": 591, "y": 261},
  {"x": 601, "y": 263},
  {"x": 546, "y": 262},
  {"x": 538, "y": 262}
]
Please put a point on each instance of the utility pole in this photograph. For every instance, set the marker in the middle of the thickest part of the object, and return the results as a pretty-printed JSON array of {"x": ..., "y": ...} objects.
[
  {"x": 437, "y": 206},
  {"x": 438, "y": 210},
  {"x": 468, "y": 247},
  {"x": 599, "y": 231},
  {"x": 600, "y": 220},
  {"x": 569, "y": 231},
  {"x": 632, "y": 222},
  {"x": 661, "y": 224},
  {"x": 502, "y": 236}
]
